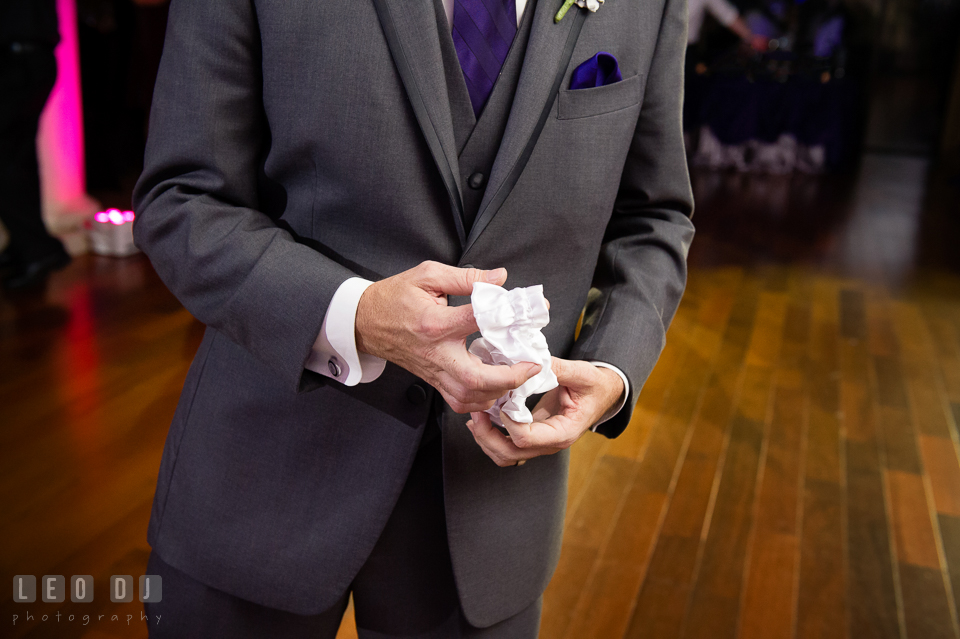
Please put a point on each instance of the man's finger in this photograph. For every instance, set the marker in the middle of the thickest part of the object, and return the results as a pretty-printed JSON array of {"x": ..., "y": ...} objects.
[
  {"x": 573, "y": 374},
  {"x": 499, "y": 379},
  {"x": 458, "y": 281},
  {"x": 494, "y": 443},
  {"x": 456, "y": 321},
  {"x": 556, "y": 432}
]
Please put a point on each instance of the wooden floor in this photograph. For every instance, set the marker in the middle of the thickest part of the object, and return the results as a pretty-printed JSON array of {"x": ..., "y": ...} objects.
[{"x": 791, "y": 471}]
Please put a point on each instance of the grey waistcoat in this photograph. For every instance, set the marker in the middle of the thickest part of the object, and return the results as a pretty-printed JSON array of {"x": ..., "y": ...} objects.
[{"x": 479, "y": 140}]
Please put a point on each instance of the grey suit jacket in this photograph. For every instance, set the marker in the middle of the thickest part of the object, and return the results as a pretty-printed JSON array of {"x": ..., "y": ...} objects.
[{"x": 296, "y": 144}]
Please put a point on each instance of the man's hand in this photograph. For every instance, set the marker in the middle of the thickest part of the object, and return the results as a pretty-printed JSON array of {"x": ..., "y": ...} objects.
[
  {"x": 405, "y": 319},
  {"x": 585, "y": 394}
]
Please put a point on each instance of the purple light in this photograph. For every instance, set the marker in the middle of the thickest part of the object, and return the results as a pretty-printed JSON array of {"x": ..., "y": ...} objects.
[
  {"x": 101, "y": 217},
  {"x": 128, "y": 216},
  {"x": 116, "y": 217}
]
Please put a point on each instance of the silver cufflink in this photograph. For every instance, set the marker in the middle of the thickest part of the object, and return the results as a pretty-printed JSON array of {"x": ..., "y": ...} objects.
[{"x": 334, "y": 367}]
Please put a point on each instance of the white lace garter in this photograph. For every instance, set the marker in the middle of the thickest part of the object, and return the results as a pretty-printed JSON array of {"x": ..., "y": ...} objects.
[{"x": 510, "y": 323}]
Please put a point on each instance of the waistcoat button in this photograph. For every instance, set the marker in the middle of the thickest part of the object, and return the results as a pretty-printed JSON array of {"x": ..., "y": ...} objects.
[
  {"x": 476, "y": 180},
  {"x": 416, "y": 394}
]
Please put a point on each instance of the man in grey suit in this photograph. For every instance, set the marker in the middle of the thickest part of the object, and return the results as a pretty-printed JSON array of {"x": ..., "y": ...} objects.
[{"x": 324, "y": 183}]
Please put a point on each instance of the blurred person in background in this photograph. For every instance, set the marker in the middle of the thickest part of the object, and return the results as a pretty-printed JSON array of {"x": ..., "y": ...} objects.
[
  {"x": 28, "y": 71},
  {"x": 727, "y": 15}
]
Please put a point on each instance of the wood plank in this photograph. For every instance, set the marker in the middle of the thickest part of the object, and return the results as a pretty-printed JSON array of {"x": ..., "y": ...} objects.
[
  {"x": 940, "y": 464},
  {"x": 929, "y": 406},
  {"x": 898, "y": 441},
  {"x": 715, "y": 600},
  {"x": 859, "y": 417},
  {"x": 853, "y": 314},
  {"x": 872, "y": 598},
  {"x": 821, "y": 599},
  {"x": 768, "y": 605},
  {"x": 604, "y": 607},
  {"x": 770, "y": 592},
  {"x": 767, "y": 333},
  {"x": 925, "y": 603},
  {"x": 586, "y": 530},
  {"x": 589, "y": 524},
  {"x": 662, "y": 604},
  {"x": 657, "y": 387},
  {"x": 947, "y": 350},
  {"x": 561, "y": 596},
  {"x": 583, "y": 458},
  {"x": 928, "y": 400},
  {"x": 891, "y": 389},
  {"x": 950, "y": 533}
]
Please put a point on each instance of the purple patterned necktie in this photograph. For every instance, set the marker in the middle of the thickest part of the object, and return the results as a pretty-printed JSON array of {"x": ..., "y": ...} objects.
[{"x": 482, "y": 33}]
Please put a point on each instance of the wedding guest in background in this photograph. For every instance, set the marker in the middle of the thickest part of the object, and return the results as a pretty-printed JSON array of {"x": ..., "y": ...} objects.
[
  {"x": 28, "y": 71},
  {"x": 726, "y": 14}
]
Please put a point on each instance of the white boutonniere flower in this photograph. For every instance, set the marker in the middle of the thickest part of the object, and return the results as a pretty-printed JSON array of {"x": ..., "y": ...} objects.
[{"x": 590, "y": 5}]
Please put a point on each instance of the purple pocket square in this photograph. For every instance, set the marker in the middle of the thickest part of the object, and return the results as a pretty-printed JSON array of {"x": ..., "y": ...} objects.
[{"x": 599, "y": 71}]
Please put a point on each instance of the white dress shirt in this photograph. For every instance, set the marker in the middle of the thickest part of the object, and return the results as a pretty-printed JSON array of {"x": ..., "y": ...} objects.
[{"x": 335, "y": 353}]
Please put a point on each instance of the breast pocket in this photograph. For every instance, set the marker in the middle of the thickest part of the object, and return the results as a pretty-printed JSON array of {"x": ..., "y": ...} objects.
[{"x": 584, "y": 103}]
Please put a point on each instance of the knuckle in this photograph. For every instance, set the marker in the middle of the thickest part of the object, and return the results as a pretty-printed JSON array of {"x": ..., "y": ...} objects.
[
  {"x": 470, "y": 379},
  {"x": 471, "y": 275},
  {"x": 431, "y": 326},
  {"x": 559, "y": 367},
  {"x": 430, "y": 270}
]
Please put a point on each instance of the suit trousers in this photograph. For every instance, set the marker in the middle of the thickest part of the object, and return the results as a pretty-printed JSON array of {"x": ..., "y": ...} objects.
[
  {"x": 26, "y": 79},
  {"x": 406, "y": 587}
]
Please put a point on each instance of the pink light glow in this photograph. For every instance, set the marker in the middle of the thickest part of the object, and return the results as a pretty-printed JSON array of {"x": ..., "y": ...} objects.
[
  {"x": 114, "y": 216},
  {"x": 60, "y": 140}
]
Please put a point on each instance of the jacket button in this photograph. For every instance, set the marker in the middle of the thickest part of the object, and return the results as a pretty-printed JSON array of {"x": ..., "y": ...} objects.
[
  {"x": 476, "y": 180},
  {"x": 416, "y": 394}
]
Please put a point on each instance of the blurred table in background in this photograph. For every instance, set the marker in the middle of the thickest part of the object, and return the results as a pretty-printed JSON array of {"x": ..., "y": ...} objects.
[{"x": 800, "y": 122}]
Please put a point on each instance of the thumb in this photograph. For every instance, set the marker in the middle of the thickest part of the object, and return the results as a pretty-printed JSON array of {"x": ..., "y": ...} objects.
[
  {"x": 451, "y": 280},
  {"x": 570, "y": 373}
]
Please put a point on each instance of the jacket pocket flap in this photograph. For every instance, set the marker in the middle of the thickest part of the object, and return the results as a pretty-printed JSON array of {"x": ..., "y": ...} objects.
[{"x": 583, "y": 103}]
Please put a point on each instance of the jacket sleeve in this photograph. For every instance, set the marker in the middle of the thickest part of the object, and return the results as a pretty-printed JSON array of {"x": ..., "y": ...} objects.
[
  {"x": 197, "y": 201},
  {"x": 641, "y": 271}
]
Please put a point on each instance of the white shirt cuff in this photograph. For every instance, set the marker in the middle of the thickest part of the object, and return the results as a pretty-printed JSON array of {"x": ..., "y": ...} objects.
[
  {"x": 623, "y": 398},
  {"x": 334, "y": 353}
]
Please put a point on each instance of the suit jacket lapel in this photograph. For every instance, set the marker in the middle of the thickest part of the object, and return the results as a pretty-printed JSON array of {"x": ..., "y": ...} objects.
[
  {"x": 410, "y": 27},
  {"x": 547, "y": 57}
]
